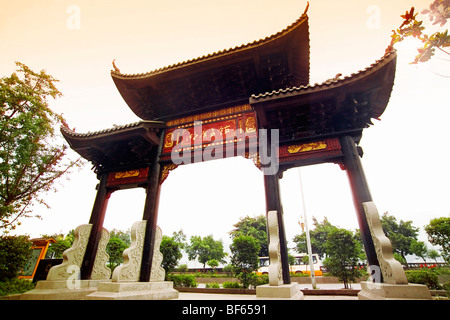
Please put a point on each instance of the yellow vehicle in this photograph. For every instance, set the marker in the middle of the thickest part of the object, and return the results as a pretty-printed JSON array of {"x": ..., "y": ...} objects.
[{"x": 299, "y": 265}]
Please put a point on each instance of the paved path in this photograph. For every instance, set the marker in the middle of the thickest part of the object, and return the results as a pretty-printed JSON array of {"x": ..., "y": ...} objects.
[
  {"x": 215, "y": 296},
  {"x": 319, "y": 286}
]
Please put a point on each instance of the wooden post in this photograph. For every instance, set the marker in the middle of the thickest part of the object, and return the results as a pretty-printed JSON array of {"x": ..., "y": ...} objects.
[
  {"x": 273, "y": 202},
  {"x": 97, "y": 218},
  {"x": 361, "y": 193},
  {"x": 151, "y": 213}
]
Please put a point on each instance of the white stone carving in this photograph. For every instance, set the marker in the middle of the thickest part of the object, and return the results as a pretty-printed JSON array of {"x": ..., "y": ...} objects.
[
  {"x": 276, "y": 289},
  {"x": 72, "y": 256},
  {"x": 275, "y": 268},
  {"x": 391, "y": 269},
  {"x": 132, "y": 257},
  {"x": 157, "y": 273},
  {"x": 100, "y": 270},
  {"x": 130, "y": 269}
]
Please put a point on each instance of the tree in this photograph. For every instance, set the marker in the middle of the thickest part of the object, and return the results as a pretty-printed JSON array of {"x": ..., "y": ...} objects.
[
  {"x": 115, "y": 248},
  {"x": 438, "y": 13},
  {"x": 213, "y": 263},
  {"x": 205, "y": 249},
  {"x": 419, "y": 249},
  {"x": 244, "y": 258},
  {"x": 433, "y": 254},
  {"x": 343, "y": 251},
  {"x": 318, "y": 235},
  {"x": 438, "y": 231},
  {"x": 55, "y": 250},
  {"x": 125, "y": 236},
  {"x": 171, "y": 248},
  {"x": 401, "y": 234},
  {"x": 171, "y": 251},
  {"x": 14, "y": 254},
  {"x": 30, "y": 161},
  {"x": 118, "y": 242},
  {"x": 180, "y": 238},
  {"x": 255, "y": 227}
]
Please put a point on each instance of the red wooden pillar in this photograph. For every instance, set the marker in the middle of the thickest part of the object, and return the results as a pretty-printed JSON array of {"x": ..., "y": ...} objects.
[
  {"x": 273, "y": 202},
  {"x": 97, "y": 218},
  {"x": 151, "y": 213},
  {"x": 361, "y": 193}
]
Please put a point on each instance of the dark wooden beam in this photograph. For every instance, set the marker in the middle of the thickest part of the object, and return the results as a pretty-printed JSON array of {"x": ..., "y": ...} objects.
[
  {"x": 97, "y": 218},
  {"x": 360, "y": 191},
  {"x": 151, "y": 137},
  {"x": 151, "y": 213},
  {"x": 273, "y": 202}
]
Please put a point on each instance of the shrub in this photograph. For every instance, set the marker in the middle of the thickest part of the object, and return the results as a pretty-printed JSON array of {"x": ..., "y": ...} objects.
[
  {"x": 182, "y": 268},
  {"x": 299, "y": 274},
  {"x": 231, "y": 285},
  {"x": 244, "y": 258},
  {"x": 342, "y": 250},
  {"x": 253, "y": 280},
  {"x": 446, "y": 286},
  {"x": 14, "y": 254},
  {"x": 14, "y": 286},
  {"x": 228, "y": 269},
  {"x": 182, "y": 280},
  {"x": 427, "y": 277},
  {"x": 214, "y": 285},
  {"x": 259, "y": 280}
]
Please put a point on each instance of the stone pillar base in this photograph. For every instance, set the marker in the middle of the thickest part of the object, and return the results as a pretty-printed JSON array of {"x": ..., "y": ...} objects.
[
  {"x": 61, "y": 290},
  {"x": 284, "y": 291},
  {"x": 386, "y": 291},
  {"x": 154, "y": 290}
]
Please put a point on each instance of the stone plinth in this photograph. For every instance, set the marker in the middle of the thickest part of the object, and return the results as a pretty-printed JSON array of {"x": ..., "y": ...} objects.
[
  {"x": 284, "y": 291},
  {"x": 61, "y": 290},
  {"x": 387, "y": 291},
  {"x": 154, "y": 290}
]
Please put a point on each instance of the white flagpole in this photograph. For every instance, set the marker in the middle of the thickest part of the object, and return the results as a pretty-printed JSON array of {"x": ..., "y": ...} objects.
[{"x": 308, "y": 240}]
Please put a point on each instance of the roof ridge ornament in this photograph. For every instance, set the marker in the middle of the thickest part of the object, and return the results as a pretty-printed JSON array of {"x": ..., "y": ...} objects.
[
  {"x": 115, "y": 67},
  {"x": 307, "y": 7}
]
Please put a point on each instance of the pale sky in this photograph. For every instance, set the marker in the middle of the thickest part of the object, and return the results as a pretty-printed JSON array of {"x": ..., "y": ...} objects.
[{"x": 405, "y": 154}]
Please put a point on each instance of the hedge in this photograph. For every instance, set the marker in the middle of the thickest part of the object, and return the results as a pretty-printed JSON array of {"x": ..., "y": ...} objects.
[{"x": 427, "y": 277}]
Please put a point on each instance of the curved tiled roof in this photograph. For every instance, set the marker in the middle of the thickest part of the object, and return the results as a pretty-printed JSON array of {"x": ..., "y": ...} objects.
[
  {"x": 118, "y": 147},
  {"x": 110, "y": 131},
  {"x": 222, "y": 78},
  {"x": 335, "y": 105},
  {"x": 330, "y": 83}
]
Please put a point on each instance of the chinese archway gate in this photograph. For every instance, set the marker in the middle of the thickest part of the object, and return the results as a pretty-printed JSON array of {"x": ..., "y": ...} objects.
[{"x": 218, "y": 105}]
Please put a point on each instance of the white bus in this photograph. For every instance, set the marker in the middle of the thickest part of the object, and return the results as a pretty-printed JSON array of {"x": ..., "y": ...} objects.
[{"x": 298, "y": 267}]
